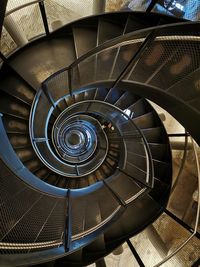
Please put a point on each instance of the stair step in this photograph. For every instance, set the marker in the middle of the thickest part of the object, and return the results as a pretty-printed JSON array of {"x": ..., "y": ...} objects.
[
  {"x": 138, "y": 160},
  {"x": 37, "y": 62},
  {"x": 150, "y": 62},
  {"x": 125, "y": 101},
  {"x": 79, "y": 97},
  {"x": 101, "y": 93},
  {"x": 124, "y": 186},
  {"x": 11, "y": 106},
  {"x": 134, "y": 24},
  {"x": 120, "y": 57},
  {"x": 162, "y": 170},
  {"x": 94, "y": 209},
  {"x": 33, "y": 164},
  {"x": 113, "y": 95},
  {"x": 160, "y": 191},
  {"x": 52, "y": 179},
  {"x": 25, "y": 154},
  {"x": 85, "y": 38},
  {"x": 108, "y": 30},
  {"x": 15, "y": 125},
  {"x": 154, "y": 135},
  {"x": 89, "y": 94},
  {"x": 42, "y": 173},
  {"x": 130, "y": 223},
  {"x": 14, "y": 86},
  {"x": 19, "y": 140},
  {"x": 145, "y": 121},
  {"x": 138, "y": 108},
  {"x": 159, "y": 151}
]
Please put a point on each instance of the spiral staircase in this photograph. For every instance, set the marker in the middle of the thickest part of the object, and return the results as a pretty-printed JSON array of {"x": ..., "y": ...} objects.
[{"x": 85, "y": 159}]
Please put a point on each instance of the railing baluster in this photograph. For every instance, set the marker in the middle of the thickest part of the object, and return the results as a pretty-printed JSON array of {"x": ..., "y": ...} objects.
[
  {"x": 68, "y": 228},
  {"x": 178, "y": 134},
  {"x": 135, "y": 254},
  {"x": 44, "y": 17}
]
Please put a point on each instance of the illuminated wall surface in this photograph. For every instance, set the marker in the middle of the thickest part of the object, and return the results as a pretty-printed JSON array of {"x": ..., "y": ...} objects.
[{"x": 187, "y": 9}]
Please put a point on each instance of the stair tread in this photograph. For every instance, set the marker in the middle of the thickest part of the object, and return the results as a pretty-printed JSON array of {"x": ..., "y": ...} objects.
[
  {"x": 79, "y": 96},
  {"x": 33, "y": 164},
  {"x": 13, "y": 85},
  {"x": 160, "y": 192},
  {"x": 125, "y": 101},
  {"x": 150, "y": 62},
  {"x": 25, "y": 154},
  {"x": 42, "y": 173},
  {"x": 101, "y": 93},
  {"x": 137, "y": 160},
  {"x": 14, "y": 107},
  {"x": 146, "y": 120},
  {"x": 113, "y": 95},
  {"x": 162, "y": 170},
  {"x": 134, "y": 24},
  {"x": 81, "y": 204},
  {"x": 85, "y": 39},
  {"x": 15, "y": 125},
  {"x": 125, "y": 186},
  {"x": 130, "y": 223},
  {"x": 120, "y": 57},
  {"x": 89, "y": 94},
  {"x": 108, "y": 30},
  {"x": 154, "y": 135},
  {"x": 37, "y": 62},
  {"x": 19, "y": 140},
  {"x": 138, "y": 108}
]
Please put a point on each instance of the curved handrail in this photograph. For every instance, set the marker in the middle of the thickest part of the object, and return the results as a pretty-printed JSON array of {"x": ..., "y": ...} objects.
[{"x": 128, "y": 39}]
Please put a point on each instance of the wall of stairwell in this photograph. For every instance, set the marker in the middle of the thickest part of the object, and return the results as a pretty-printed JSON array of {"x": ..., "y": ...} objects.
[
  {"x": 84, "y": 7},
  {"x": 60, "y": 12}
]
